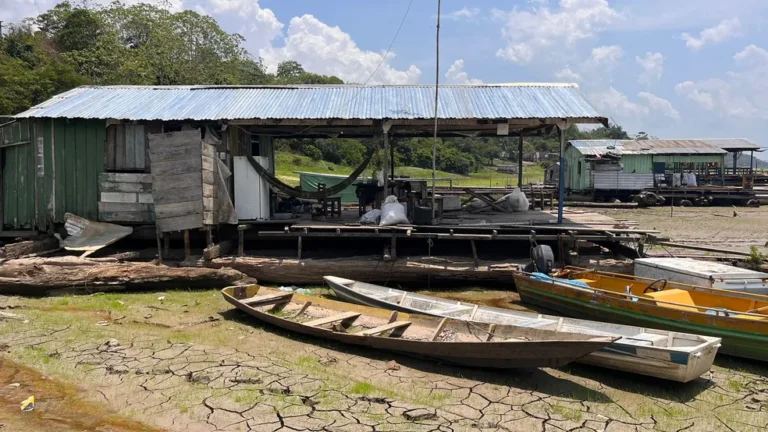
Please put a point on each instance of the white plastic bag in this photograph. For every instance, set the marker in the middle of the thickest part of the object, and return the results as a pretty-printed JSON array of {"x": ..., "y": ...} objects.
[
  {"x": 692, "y": 179},
  {"x": 392, "y": 212},
  {"x": 676, "y": 181},
  {"x": 516, "y": 201},
  {"x": 371, "y": 218}
]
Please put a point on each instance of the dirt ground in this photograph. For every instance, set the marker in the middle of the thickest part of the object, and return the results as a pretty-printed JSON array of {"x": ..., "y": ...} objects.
[
  {"x": 704, "y": 226},
  {"x": 186, "y": 361}
]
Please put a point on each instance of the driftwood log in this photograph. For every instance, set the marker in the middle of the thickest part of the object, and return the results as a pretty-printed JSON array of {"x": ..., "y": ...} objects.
[
  {"x": 27, "y": 247},
  {"x": 371, "y": 269},
  {"x": 40, "y": 276}
]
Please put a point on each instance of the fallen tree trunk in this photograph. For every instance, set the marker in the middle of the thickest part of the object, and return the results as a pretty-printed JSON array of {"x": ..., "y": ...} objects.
[
  {"x": 371, "y": 269},
  {"x": 27, "y": 247},
  {"x": 40, "y": 276}
]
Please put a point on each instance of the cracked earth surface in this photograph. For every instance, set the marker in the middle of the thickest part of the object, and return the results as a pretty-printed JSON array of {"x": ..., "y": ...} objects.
[{"x": 190, "y": 363}]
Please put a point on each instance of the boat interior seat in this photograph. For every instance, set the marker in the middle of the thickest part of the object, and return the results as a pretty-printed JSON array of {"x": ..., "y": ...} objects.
[
  {"x": 450, "y": 310},
  {"x": 386, "y": 296},
  {"x": 749, "y": 317},
  {"x": 675, "y": 295},
  {"x": 646, "y": 339},
  {"x": 536, "y": 323}
]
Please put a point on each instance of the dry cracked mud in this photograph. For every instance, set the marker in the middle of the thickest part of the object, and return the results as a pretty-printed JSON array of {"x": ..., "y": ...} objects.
[{"x": 196, "y": 365}]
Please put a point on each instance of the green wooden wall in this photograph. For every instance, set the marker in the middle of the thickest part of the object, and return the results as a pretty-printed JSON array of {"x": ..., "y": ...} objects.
[
  {"x": 18, "y": 172},
  {"x": 39, "y": 188},
  {"x": 641, "y": 164},
  {"x": 77, "y": 160}
]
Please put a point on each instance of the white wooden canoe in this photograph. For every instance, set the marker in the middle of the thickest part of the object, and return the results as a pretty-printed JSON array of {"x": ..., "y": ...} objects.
[{"x": 658, "y": 353}]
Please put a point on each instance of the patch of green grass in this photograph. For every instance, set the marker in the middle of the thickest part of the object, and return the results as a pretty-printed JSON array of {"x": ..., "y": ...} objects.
[
  {"x": 567, "y": 413},
  {"x": 286, "y": 165},
  {"x": 307, "y": 361},
  {"x": 246, "y": 397},
  {"x": 735, "y": 385},
  {"x": 363, "y": 388}
]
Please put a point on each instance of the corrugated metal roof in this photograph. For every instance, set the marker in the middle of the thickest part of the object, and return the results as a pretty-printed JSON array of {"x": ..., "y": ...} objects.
[
  {"x": 734, "y": 144},
  {"x": 660, "y": 147},
  {"x": 499, "y": 101}
]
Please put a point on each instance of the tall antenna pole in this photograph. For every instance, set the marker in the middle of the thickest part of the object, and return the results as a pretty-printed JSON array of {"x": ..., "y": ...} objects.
[{"x": 437, "y": 83}]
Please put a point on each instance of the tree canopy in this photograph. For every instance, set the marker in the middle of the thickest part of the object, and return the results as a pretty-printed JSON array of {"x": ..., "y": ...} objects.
[{"x": 141, "y": 44}]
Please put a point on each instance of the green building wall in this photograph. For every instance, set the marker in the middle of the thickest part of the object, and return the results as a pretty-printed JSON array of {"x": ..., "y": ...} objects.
[
  {"x": 53, "y": 169},
  {"x": 640, "y": 164}
]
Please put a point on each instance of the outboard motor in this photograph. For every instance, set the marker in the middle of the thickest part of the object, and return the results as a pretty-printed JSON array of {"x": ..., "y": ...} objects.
[{"x": 543, "y": 259}]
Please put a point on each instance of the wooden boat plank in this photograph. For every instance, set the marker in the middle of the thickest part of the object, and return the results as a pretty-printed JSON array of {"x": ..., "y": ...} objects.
[
  {"x": 264, "y": 300},
  {"x": 384, "y": 328},
  {"x": 344, "y": 316}
]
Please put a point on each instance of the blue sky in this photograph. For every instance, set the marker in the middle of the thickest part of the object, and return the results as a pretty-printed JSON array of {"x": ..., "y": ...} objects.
[{"x": 671, "y": 68}]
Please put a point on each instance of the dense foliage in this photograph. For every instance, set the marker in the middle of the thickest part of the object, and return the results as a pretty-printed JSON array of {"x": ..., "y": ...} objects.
[{"x": 141, "y": 44}]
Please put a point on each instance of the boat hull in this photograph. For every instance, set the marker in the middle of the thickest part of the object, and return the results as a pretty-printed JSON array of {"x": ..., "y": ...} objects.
[
  {"x": 501, "y": 355},
  {"x": 548, "y": 295},
  {"x": 650, "y": 361}
]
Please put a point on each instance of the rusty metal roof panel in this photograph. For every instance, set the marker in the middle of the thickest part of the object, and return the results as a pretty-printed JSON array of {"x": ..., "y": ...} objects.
[
  {"x": 494, "y": 101},
  {"x": 659, "y": 147}
]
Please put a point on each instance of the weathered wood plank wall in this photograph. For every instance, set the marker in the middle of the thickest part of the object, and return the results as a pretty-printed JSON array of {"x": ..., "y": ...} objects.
[
  {"x": 177, "y": 182},
  {"x": 126, "y": 198}
]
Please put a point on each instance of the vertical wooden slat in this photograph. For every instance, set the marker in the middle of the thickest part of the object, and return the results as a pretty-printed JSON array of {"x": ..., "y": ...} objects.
[
  {"x": 109, "y": 148},
  {"x": 130, "y": 143},
  {"x": 119, "y": 147},
  {"x": 91, "y": 199},
  {"x": 139, "y": 147},
  {"x": 60, "y": 176},
  {"x": 70, "y": 167},
  {"x": 23, "y": 183}
]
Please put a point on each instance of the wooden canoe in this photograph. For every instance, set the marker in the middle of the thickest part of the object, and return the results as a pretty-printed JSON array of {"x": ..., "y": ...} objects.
[
  {"x": 446, "y": 340},
  {"x": 658, "y": 353},
  {"x": 739, "y": 319}
]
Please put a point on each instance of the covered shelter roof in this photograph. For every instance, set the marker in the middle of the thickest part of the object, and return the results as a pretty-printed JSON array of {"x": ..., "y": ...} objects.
[
  {"x": 463, "y": 109},
  {"x": 600, "y": 148}
]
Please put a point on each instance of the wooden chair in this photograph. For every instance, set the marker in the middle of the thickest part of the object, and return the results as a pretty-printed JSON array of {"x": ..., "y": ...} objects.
[{"x": 330, "y": 206}]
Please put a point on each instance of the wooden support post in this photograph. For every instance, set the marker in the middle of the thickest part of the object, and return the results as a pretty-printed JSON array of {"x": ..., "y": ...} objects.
[
  {"x": 159, "y": 246},
  {"x": 166, "y": 244},
  {"x": 241, "y": 243},
  {"x": 299, "y": 254},
  {"x": 520, "y": 162},
  {"x": 385, "y": 168},
  {"x": 187, "y": 246},
  {"x": 474, "y": 254},
  {"x": 208, "y": 235},
  {"x": 393, "y": 248}
]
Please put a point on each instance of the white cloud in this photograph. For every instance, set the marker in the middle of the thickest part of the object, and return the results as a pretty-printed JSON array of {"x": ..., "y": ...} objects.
[
  {"x": 328, "y": 50},
  {"x": 653, "y": 67},
  {"x": 752, "y": 55},
  {"x": 694, "y": 91},
  {"x": 616, "y": 104},
  {"x": 606, "y": 56},
  {"x": 541, "y": 31},
  {"x": 659, "y": 105},
  {"x": 742, "y": 93},
  {"x": 464, "y": 13},
  {"x": 259, "y": 26},
  {"x": 727, "y": 29},
  {"x": 566, "y": 74},
  {"x": 456, "y": 74}
]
